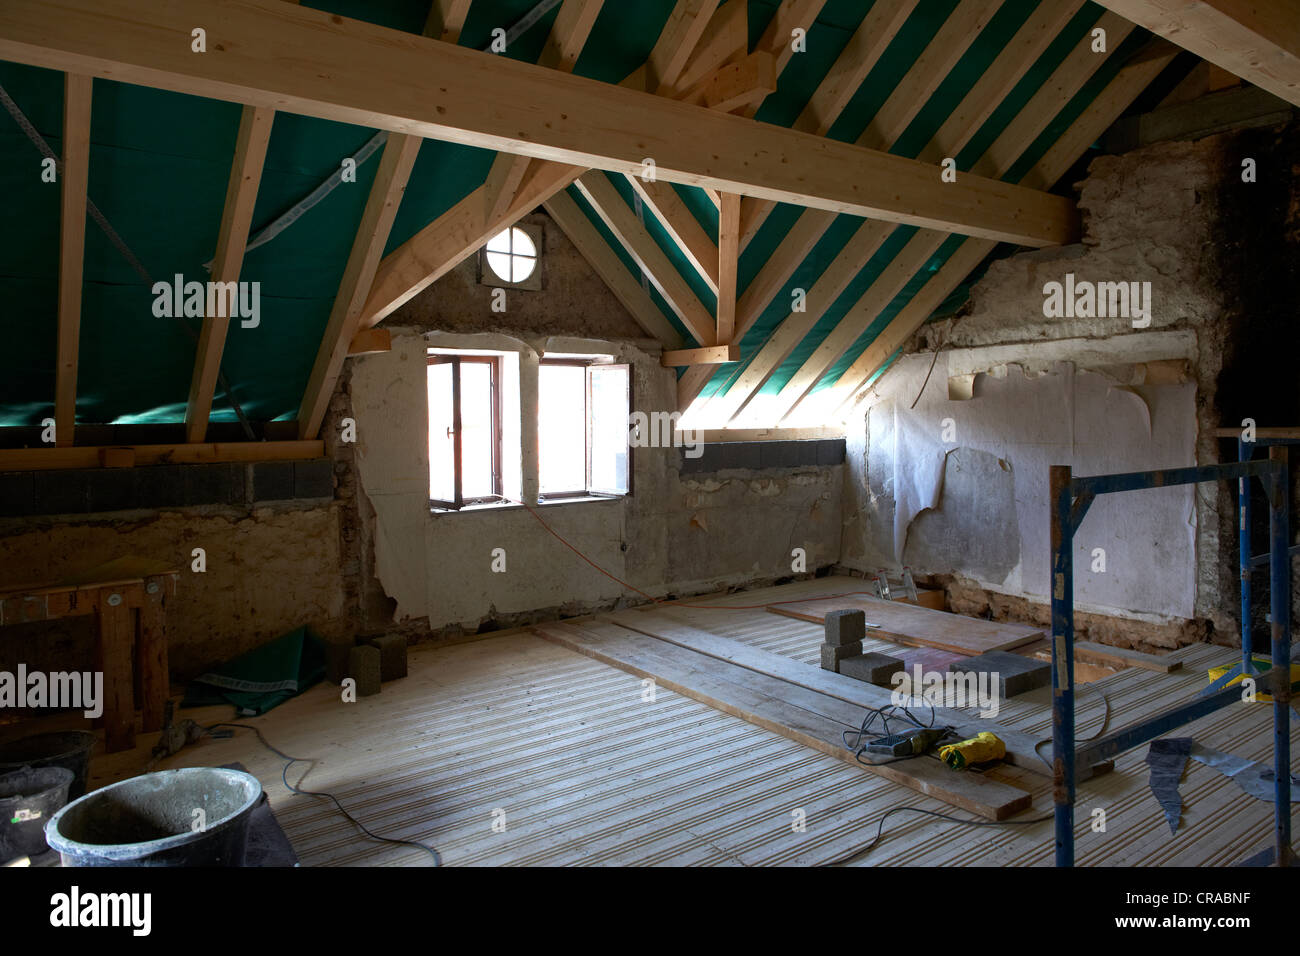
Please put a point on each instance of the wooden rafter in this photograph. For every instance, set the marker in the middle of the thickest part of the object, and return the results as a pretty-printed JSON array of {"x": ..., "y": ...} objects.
[
  {"x": 837, "y": 88},
  {"x": 921, "y": 247},
  {"x": 457, "y": 233},
  {"x": 947, "y": 46},
  {"x": 622, "y": 222},
  {"x": 1257, "y": 40},
  {"x": 232, "y": 238},
  {"x": 728, "y": 264},
  {"x": 563, "y": 45},
  {"x": 708, "y": 355},
  {"x": 682, "y": 226},
  {"x": 962, "y": 123},
  {"x": 385, "y": 78},
  {"x": 1128, "y": 83},
  {"x": 740, "y": 85},
  {"x": 725, "y": 40},
  {"x": 777, "y": 38},
  {"x": 97, "y": 456},
  {"x": 446, "y": 20},
  {"x": 677, "y": 40},
  {"x": 345, "y": 317},
  {"x": 603, "y": 261},
  {"x": 72, "y": 245}
]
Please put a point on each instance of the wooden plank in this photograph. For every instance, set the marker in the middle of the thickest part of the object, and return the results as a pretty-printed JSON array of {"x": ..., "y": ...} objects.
[
  {"x": 1123, "y": 656},
  {"x": 740, "y": 84},
  {"x": 667, "y": 624},
  {"x": 414, "y": 85},
  {"x": 725, "y": 40},
  {"x": 369, "y": 341},
  {"x": 345, "y": 317},
  {"x": 152, "y": 680},
  {"x": 446, "y": 19},
  {"x": 777, "y": 38},
  {"x": 575, "y": 224},
  {"x": 921, "y": 626},
  {"x": 621, "y": 220},
  {"x": 89, "y": 456},
  {"x": 686, "y": 24},
  {"x": 1257, "y": 40},
  {"x": 72, "y": 244},
  {"x": 777, "y": 706},
  {"x": 236, "y": 220},
  {"x": 680, "y": 224},
  {"x": 709, "y": 355},
  {"x": 116, "y": 634},
  {"x": 728, "y": 265}
]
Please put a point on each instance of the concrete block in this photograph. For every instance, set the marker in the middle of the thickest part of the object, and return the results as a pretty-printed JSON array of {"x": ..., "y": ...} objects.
[
  {"x": 338, "y": 659},
  {"x": 832, "y": 654},
  {"x": 62, "y": 492},
  {"x": 830, "y": 451},
  {"x": 17, "y": 493},
  {"x": 273, "y": 481},
  {"x": 846, "y": 626},
  {"x": 364, "y": 668},
  {"x": 392, "y": 655},
  {"x": 313, "y": 479},
  {"x": 160, "y": 486},
  {"x": 112, "y": 489},
  {"x": 1016, "y": 674},
  {"x": 872, "y": 668},
  {"x": 739, "y": 454}
]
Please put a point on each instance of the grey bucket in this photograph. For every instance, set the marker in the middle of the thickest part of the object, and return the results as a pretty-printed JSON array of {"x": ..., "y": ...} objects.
[
  {"x": 70, "y": 749},
  {"x": 28, "y": 798},
  {"x": 149, "y": 820}
]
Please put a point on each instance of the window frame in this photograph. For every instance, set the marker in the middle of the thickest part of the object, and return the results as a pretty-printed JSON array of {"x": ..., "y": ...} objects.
[
  {"x": 555, "y": 497},
  {"x": 533, "y": 282},
  {"x": 494, "y": 365}
]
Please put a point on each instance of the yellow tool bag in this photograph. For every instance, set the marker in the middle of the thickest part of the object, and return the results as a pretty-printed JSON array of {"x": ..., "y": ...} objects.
[{"x": 978, "y": 749}]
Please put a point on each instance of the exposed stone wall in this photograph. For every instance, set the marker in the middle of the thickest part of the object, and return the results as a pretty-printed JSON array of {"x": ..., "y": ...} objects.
[{"x": 1179, "y": 216}]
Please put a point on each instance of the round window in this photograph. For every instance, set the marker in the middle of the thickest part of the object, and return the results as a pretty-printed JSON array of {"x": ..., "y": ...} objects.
[{"x": 512, "y": 255}]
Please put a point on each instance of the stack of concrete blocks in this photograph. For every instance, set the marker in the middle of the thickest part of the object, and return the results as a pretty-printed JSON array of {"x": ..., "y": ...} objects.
[
  {"x": 370, "y": 664},
  {"x": 842, "y": 650}
]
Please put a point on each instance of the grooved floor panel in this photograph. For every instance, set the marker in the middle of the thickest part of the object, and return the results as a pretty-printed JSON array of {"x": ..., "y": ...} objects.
[{"x": 589, "y": 773}]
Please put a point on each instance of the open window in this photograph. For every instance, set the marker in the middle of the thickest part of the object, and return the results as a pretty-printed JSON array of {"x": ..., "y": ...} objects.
[
  {"x": 582, "y": 428},
  {"x": 466, "y": 461}
]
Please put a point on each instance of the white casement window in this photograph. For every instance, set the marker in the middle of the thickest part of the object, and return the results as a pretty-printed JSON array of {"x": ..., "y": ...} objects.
[
  {"x": 473, "y": 429},
  {"x": 582, "y": 428}
]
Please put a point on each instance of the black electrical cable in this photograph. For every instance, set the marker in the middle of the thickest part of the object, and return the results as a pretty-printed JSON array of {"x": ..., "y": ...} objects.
[
  {"x": 858, "y": 854},
  {"x": 284, "y": 775}
]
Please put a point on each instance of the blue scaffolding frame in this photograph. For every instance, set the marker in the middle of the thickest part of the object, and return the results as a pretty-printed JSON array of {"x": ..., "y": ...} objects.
[{"x": 1070, "y": 499}]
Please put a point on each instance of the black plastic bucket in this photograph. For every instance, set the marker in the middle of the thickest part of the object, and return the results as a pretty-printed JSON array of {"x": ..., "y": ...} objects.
[
  {"x": 150, "y": 820},
  {"x": 70, "y": 750},
  {"x": 28, "y": 798}
]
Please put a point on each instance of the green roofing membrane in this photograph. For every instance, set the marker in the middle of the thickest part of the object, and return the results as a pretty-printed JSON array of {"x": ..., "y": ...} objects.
[{"x": 160, "y": 163}]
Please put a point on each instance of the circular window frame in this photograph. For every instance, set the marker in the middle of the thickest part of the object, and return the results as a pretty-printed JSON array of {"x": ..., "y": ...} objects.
[{"x": 488, "y": 274}]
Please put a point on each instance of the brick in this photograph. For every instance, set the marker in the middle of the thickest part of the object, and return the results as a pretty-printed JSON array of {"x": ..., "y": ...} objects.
[
  {"x": 207, "y": 484},
  {"x": 364, "y": 668},
  {"x": 392, "y": 655},
  {"x": 872, "y": 668},
  {"x": 313, "y": 479},
  {"x": 273, "y": 481},
  {"x": 1016, "y": 673},
  {"x": 833, "y": 654},
  {"x": 830, "y": 451},
  {"x": 740, "y": 454},
  {"x": 846, "y": 626}
]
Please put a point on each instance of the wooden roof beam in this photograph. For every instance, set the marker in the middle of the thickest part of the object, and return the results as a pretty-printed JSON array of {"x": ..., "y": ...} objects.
[
  {"x": 72, "y": 246},
  {"x": 411, "y": 84},
  {"x": 1257, "y": 40},
  {"x": 232, "y": 238},
  {"x": 345, "y": 316}
]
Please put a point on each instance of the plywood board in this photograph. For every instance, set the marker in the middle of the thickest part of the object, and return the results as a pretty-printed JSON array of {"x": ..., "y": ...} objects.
[
  {"x": 918, "y": 626},
  {"x": 812, "y": 719}
]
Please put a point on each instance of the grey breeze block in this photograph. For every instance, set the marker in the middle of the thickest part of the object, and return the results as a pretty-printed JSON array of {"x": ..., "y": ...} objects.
[
  {"x": 364, "y": 668},
  {"x": 872, "y": 668},
  {"x": 1016, "y": 673},
  {"x": 392, "y": 655},
  {"x": 832, "y": 654},
  {"x": 846, "y": 626}
]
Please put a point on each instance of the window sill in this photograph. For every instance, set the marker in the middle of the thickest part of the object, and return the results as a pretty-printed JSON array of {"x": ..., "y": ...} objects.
[{"x": 512, "y": 506}]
